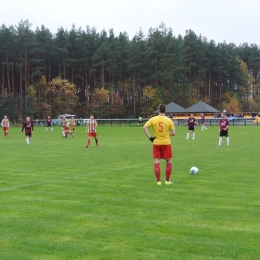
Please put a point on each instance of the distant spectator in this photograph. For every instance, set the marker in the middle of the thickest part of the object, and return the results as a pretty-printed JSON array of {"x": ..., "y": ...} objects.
[
  {"x": 253, "y": 115},
  {"x": 140, "y": 121}
]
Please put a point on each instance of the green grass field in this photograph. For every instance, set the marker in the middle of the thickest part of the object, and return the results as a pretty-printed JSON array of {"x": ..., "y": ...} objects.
[{"x": 60, "y": 200}]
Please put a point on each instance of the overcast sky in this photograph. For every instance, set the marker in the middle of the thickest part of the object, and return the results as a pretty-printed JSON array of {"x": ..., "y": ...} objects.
[{"x": 236, "y": 21}]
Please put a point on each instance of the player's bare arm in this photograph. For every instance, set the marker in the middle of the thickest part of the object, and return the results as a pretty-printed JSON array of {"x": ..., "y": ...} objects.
[
  {"x": 147, "y": 133},
  {"x": 172, "y": 133}
]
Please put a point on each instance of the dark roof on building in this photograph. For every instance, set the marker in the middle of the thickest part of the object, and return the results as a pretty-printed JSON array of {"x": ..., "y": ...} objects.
[
  {"x": 173, "y": 108},
  {"x": 201, "y": 107}
]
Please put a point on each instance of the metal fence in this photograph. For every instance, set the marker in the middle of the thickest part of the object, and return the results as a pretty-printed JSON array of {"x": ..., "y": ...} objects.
[
  {"x": 215, "y": 121},
  {"x": 134, "y": 122}
]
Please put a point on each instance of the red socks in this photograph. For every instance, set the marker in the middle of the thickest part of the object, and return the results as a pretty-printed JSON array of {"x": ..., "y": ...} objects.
[
  {"x": 168, "y": 171},
  {"x": 88, "y": 142},
  {"x": 157, "y": 171}
]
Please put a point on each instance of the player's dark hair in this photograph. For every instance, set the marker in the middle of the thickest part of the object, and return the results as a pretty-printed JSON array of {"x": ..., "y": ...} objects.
[{"x": 162, "y": 108}]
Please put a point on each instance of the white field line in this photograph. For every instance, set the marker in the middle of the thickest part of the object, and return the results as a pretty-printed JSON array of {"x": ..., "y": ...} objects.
[
  {"x": 66, "y": 178},
  {"x": 216, "y": 150}
]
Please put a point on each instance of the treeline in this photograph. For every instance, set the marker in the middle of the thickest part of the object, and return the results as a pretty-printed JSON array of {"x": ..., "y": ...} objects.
[{"x": 116, "y": 76}]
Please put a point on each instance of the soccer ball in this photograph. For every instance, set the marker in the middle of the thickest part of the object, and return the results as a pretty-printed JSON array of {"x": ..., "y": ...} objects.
[{"x": 194, "y": 170}]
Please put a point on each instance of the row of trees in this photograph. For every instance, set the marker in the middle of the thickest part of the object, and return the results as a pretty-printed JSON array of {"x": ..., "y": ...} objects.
[{"x": 115, "y": 76}]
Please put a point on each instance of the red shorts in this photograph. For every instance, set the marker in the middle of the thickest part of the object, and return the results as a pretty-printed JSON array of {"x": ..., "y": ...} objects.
[
  {"x": 5, "y": 128},
  {"x": 162, "y": 151},
  {"x": 67, "y": 129},
  {"x": 94, "y": 134}
]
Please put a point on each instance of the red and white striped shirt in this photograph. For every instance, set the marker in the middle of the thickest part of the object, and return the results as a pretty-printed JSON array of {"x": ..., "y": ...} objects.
[
  {"x": 92, "y": 125},
  {"x": 5, "y": 122}
]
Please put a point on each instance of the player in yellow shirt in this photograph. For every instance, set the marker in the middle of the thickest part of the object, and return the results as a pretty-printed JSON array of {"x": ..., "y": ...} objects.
[
  {"x": 73, "y": 124},
  {"x": 163, "y": 129}
]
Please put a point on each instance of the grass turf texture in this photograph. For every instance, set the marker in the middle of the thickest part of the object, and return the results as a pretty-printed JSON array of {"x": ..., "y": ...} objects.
[{"x": 60, "y": 200}]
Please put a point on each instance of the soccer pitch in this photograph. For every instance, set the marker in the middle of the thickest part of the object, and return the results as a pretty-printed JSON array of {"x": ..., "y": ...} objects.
[{"x": 61, "y": 200}]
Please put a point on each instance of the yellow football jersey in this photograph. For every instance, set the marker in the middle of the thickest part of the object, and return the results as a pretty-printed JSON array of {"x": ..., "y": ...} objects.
[{"x": 161, "y": 125}]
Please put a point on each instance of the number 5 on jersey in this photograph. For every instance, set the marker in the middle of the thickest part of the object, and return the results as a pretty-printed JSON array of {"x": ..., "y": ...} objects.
[{"x": 160, "y": 127}]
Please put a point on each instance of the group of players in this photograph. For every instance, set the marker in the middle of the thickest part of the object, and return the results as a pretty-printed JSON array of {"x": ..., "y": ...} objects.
[
  {"x": 223, "y": 127},
  {"x": 65, "y": 123},
  {"x": 163, "y": 130},
  {"x": 28, "y": 128},
  {"x": 92, "y": 125}
]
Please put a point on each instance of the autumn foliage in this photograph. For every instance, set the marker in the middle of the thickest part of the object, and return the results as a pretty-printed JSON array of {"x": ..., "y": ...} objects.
[{"x": 82, "y": 71}]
